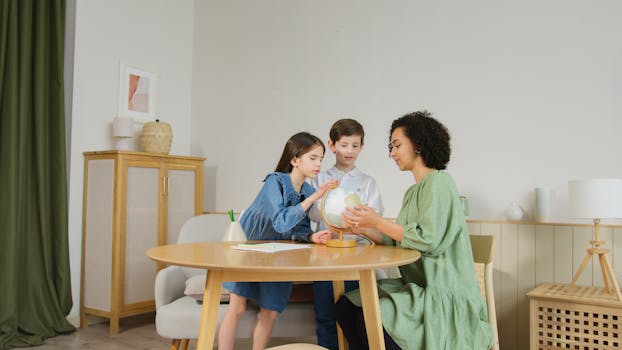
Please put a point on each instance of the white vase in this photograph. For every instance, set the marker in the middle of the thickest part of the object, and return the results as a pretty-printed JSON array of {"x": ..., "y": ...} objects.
[
  {"x": 514, "y": 212},
  {"x": 234, "y": 233},
  {"x": 543, "y": 204}
]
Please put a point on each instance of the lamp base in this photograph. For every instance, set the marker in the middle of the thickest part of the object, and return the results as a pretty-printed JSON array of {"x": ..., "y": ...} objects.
[
  {"x": 122, "y": 143},
  {"x": 609, "y": 278}
]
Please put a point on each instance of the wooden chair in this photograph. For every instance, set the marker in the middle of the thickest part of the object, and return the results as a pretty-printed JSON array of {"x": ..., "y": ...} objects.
[{"x": 483, "y": 248}]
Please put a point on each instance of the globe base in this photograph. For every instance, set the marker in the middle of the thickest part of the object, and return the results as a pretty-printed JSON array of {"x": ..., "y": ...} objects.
[{"x": 340, "y": 243}]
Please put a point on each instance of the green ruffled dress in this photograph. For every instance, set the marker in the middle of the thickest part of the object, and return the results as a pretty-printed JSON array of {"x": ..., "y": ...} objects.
[{"x": 437, "y": 303}]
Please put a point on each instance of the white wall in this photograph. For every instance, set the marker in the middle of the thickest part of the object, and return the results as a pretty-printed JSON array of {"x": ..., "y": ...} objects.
[
  {"x": 531, "y": 91},
  {"x": 155, "y": 35}
]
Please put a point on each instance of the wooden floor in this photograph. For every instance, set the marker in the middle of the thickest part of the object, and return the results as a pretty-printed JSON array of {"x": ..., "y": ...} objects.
[{"x": 136, "y": 332}]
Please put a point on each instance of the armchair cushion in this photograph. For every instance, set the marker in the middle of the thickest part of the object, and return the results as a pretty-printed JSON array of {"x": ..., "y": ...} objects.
[{"x": 195, "y": 286}]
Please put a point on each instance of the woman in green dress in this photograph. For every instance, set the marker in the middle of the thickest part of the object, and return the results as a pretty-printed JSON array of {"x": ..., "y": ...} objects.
[{"x": 436, "y": 304}]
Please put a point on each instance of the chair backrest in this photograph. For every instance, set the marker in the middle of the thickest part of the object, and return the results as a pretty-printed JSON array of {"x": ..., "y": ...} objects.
[
  {"x": 202, "y": 228},
  {"x": 483, "y": 248}
]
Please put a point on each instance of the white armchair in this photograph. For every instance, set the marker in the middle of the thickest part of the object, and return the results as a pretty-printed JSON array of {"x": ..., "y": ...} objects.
[{"x": 178, "y": 315}]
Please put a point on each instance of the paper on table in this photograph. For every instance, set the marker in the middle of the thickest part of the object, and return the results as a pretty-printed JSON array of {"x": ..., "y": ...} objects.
[{"x": 269, "y": 247}]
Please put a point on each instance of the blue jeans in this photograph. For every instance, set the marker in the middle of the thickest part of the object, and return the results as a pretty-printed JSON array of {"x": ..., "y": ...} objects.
[{"x": 325, "y": 318}]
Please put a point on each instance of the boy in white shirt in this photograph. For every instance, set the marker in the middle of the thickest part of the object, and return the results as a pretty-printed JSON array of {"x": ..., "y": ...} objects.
[{"x": 346, "y": 142}]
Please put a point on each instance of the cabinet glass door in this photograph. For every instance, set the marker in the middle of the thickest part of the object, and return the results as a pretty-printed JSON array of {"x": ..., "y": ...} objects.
[
  {"x": 181, "y": 200},
  {"x": 141, "y": 232}
]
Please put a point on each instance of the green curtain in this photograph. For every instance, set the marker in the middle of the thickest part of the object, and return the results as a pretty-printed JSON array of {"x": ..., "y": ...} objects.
[{"x": 35, "y": 285}]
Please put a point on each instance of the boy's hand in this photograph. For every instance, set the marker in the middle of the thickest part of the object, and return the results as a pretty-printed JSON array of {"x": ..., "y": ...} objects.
[{"x": 320, "y": 237}]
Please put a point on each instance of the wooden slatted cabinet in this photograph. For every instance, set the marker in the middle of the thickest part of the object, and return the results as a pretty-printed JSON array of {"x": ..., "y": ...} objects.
[
  {"x": 132, "y": 201},
  {"x": 585, "y": 318}
]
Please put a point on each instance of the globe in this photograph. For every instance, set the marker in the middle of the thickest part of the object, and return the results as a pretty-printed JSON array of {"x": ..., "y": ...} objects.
[{"x": 334, "y": 202}]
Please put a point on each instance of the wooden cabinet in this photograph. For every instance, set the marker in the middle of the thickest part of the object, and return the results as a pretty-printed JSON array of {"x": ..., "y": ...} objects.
[
  {"x": 584, "y": 317},
  {"x": 132, "y": 201}
]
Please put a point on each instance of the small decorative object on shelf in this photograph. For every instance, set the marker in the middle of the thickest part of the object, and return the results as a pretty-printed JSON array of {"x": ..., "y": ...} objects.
[
  {"x": 465, "y": 206},
  {"x": 156, "y": 137},
  {"x": 543, "y": 204},
  {"x": 514, "y": 212}
]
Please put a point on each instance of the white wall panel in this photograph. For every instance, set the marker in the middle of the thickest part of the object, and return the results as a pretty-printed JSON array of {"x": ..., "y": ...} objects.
[
  {"x": 508, "y": 266},
  {"x": 563, "y": 256},
  {"x": 545, "y": 253},
  {"x": 526, "y": 261}
]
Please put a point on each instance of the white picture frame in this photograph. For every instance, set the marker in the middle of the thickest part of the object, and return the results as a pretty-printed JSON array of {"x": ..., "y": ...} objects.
[{"x": 137, "y": 92}]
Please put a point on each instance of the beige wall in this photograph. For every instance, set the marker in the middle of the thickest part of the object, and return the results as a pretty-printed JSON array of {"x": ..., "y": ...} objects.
[
  {"x": 153, "y": 34},
  {"x": 530, "y": 90}
]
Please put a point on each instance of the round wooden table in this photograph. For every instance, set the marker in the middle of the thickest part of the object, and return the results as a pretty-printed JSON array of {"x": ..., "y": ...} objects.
[{"x": 316, "y": 263}]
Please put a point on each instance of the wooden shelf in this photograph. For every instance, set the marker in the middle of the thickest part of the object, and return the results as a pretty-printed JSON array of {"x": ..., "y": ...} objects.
[{"x": 501, "y": 222}]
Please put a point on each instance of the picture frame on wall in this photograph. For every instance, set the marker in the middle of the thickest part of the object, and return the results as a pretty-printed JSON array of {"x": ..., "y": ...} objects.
[{"x": 137, "y": 92}]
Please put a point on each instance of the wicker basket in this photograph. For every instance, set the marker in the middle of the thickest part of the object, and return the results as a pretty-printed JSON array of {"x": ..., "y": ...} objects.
[{"x": 156, "y": 137}]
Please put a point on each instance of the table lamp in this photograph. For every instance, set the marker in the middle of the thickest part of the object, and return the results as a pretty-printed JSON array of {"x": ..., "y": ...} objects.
[
  {"x": 596, "y": 199},
  {"x": 122, "y": 132}
]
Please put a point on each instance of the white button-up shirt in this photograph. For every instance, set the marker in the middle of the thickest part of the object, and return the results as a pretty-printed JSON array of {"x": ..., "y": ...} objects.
[{"x": 354, "y": 180}]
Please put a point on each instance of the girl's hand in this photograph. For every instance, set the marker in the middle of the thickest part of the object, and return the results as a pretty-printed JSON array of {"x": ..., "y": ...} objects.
[
  {"x": 320, "y": 236},
  {"x": 360, "y": 217},
  {"x": 330, "y": 183}
]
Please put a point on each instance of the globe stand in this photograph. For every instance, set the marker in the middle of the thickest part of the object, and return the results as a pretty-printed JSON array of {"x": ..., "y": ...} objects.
[{"x": 340, "y": 242}]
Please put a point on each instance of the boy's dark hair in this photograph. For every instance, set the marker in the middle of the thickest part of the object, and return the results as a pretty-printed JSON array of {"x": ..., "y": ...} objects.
[
  {"x": 429, "y": 137},
  {"x": 346, "y": 127},
  {"x": 296, "y": 146}
]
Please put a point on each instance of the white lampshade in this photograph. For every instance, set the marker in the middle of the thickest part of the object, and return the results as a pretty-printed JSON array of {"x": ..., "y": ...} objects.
[
  {"x": 595, "y": 198},
  {"x": 122, "y": 127}
]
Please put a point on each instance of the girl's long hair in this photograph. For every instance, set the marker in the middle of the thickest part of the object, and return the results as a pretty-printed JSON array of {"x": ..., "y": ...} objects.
[{"x": 296, "y": 146}]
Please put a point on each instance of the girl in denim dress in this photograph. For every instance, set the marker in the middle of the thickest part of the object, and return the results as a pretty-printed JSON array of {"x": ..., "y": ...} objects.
[{"x": 279, "y": 212}]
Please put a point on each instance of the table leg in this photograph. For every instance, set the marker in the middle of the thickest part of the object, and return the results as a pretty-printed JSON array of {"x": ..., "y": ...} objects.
[
  {"x": 209, "y": 311},
  {"x": 371, "y": 309},
  {"x": 338, "y": 290}
]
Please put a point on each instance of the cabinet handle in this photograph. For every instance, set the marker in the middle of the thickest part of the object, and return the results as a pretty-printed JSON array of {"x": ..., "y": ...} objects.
[{"x": 165, "y": 185}]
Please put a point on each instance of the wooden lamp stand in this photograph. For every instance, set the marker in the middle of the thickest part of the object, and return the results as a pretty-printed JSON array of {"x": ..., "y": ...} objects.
[{"x": 608, "y": 277}]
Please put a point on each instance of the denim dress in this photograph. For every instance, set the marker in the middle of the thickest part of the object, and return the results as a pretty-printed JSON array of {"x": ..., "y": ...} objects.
[{"x": 275, "y": 214}]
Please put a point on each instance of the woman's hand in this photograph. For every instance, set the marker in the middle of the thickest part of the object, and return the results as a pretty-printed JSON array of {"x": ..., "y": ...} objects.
[
  {"x": 361, "y": 216},
  {"x": 364, "y": 220},
  {"x": 320, "y": 236}
]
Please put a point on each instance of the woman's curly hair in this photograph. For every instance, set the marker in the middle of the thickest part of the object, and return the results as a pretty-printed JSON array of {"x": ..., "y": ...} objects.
[{"x": 429, "y": 137}]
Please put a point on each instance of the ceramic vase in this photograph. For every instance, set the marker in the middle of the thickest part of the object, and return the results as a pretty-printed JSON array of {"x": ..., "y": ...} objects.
[
  {"x": 234, "y": 233},
  {"x": 543, "y": 204},
  {"x": 514, "y": 212},
  {"x": 464, "y": 201}
]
